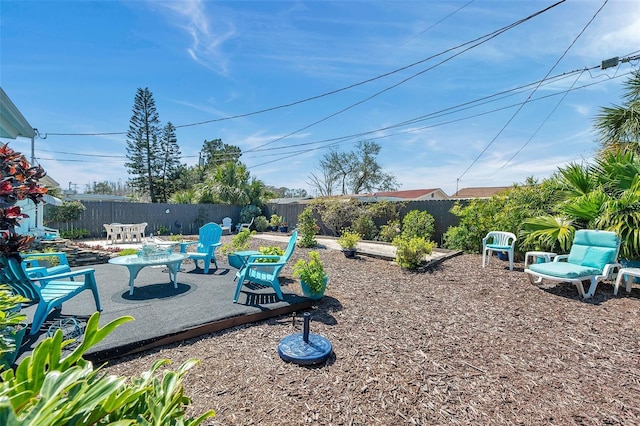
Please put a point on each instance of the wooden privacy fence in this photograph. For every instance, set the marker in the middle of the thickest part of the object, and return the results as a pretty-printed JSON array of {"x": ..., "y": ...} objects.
[
  {"x": 183, "y": 219},
  {"x": 186, "y": 219}
]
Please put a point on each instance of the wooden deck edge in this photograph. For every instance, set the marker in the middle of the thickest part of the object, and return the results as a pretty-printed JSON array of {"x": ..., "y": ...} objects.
[{"x": 197, "y": 331}]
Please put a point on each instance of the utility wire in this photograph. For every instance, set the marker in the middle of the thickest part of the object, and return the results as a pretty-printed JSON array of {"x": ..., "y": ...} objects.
[
  {"x": 474, "y": 43},
  {"x": 564, "y": 95},
  {"x": 533, "y": 92},
  {"x": 436, "y": 114},
  {"x": 333, "y": 92}
]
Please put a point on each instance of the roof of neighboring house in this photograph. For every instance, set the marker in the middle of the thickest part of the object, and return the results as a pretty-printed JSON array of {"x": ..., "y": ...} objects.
[
  {"x": 295, "y": 200},
  {"x": 409, "y": 194},
  {"x": 480, "y": 192}
]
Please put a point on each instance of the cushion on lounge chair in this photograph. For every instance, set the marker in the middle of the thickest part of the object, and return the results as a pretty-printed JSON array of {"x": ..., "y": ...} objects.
[{"x": 564, "y": 270}]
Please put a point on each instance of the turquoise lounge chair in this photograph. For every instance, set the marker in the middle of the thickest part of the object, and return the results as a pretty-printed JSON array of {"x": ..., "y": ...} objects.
[
  {"x": 265, "y": 273},
  {"x": 208, "y": 241},
  {"x": 593, "y": 257},
  {"x": 50, "y": 291}
]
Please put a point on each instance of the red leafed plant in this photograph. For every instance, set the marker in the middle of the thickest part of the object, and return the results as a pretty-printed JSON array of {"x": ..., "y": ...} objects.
[{"x": 18, "y": 181}]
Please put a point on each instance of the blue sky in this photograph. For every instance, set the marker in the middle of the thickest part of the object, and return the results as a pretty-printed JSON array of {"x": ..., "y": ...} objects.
[{"x": 73, "y": 67}]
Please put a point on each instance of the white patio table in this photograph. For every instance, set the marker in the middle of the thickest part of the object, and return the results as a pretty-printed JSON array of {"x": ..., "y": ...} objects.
[{"x": 136, "y": 263}]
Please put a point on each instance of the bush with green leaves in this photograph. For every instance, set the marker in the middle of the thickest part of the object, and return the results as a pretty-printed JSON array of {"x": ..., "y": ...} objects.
[
  {"x": 336, "y": 213},
  {"x": 74, "y": 234},
  {"x": 348, "y": 240},
  {"x": 411, "y": 251},
  {"x": 275, "y": 220},
  {"x": 249, "y": 212},
  {"x": 239, "y": 242},
  {"x": 10, "y": 317},
  {"x": 261, "y": 223},
  {"x": 365, "y": 226},
  {"x": 503, "y": 212},
  {"x": 67, "y": 212},
  {"x": 270, "y": 251},
  {"x": 127, "y": 252},
  {"x": 307, "y": 228},
  {"x": 389, "y": 231},
  {"x": 418, "y": 224},
  {"x": 47, "y": 389}
]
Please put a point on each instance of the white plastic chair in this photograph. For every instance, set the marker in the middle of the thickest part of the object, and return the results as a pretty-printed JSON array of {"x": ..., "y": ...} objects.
[
  {"x": 498, "y": 241},
  {"x": 226, "y": 224}
]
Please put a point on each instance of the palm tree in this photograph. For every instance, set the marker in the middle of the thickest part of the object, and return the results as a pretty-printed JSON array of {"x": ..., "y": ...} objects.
[
  {"x": 605, "y": 195},
  {"x": 619, "y": 126}
]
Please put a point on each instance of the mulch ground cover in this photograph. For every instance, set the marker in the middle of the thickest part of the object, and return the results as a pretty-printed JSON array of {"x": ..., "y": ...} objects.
[{"x": 458, "y": 344}]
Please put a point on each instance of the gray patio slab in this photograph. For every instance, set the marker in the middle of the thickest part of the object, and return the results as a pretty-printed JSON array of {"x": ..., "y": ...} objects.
[{"x": 163, "y": 314}]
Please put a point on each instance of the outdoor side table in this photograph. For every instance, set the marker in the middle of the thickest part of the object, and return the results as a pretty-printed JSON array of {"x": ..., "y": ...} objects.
[
  {"x": 547, "y": 256},
  {"x": 630, "y": 274},
  {"x": 136, "y": 263}
]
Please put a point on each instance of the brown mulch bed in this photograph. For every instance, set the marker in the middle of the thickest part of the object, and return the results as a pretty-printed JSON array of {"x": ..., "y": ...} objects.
[{"x": 456, "y": 345}]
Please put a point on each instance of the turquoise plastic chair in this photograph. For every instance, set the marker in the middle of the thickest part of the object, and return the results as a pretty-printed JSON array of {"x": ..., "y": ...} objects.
[
  {"x": 208, "y": 241},
  {"x": 593, "y": 256},
  {"x": 50, "y": 291},
  {"x": 34, "y": 269},
  {"x": 498, "y": 241},
  {"x": 265, "y": 273}
]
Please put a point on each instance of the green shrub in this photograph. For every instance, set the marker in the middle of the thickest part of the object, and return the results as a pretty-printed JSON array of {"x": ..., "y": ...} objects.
[
  {"x": 67, "y": 212},
  {"x": 176, "y": 237},
  {"x": 127, "y": 252},
  {"x": 162, "y": 230},
  {"x": 74, "y": 234},
  {"x": 365, "y": 226},
  {"x": 239, "y": 242},
  {"x": 506, "y": 211},
  {"x": 418, "y": 224},
  {"x": 308, "y": 228},
  {"x": 10, "y": 318},
  {"x": 270, "y": 251},
  {"x": 311, "y": 272},
  {"x": 261, "y": 223},
  {"x": 49, "y": 389},
  {"x": 275, "y": 220},
  {"x": 249, "y": 212},
  {"x": 389, "y": 231},
  {"x": 410, "y": 251},
  {"x": 348, "y": 239}
]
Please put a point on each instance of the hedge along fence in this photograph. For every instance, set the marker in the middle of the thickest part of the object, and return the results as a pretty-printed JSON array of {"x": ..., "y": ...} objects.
[
  {"x": 439, "y": 209},
  {"x": 191, "y": 217}
]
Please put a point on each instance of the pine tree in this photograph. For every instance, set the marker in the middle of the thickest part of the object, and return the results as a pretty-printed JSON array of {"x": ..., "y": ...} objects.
[
  {"x": 143, "y": 145},
  {"x": 170, "y": 163}
]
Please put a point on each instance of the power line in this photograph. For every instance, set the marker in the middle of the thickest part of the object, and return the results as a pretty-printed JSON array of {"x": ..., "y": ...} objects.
[
  {"x": 474, "y": 43},
  {"x": 436, "y": 114},
  {"x": 532, "y": 93},
  {"x": 329, "y": 93}
]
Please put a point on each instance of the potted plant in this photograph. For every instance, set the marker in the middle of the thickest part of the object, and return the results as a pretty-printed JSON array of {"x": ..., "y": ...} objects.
[
  {"x": 313, "y": 278},
  {"x": 348, "y": 241},
  {"x": 275, "y": 222},
  {"x": 284, "y": 227},
  {"x": 239, "y": 243},
  {"x": 13, "y": 326}
]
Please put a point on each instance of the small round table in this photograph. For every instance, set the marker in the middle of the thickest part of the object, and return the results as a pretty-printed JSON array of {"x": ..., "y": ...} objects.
[
  {"x": 536, "y": 255},
  {"x": 135, "y": 264}
]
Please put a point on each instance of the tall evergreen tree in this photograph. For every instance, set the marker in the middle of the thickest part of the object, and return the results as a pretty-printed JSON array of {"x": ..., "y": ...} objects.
[
  {"x": 170, "y": 162},
  {"x": 143, "y": 144}
]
